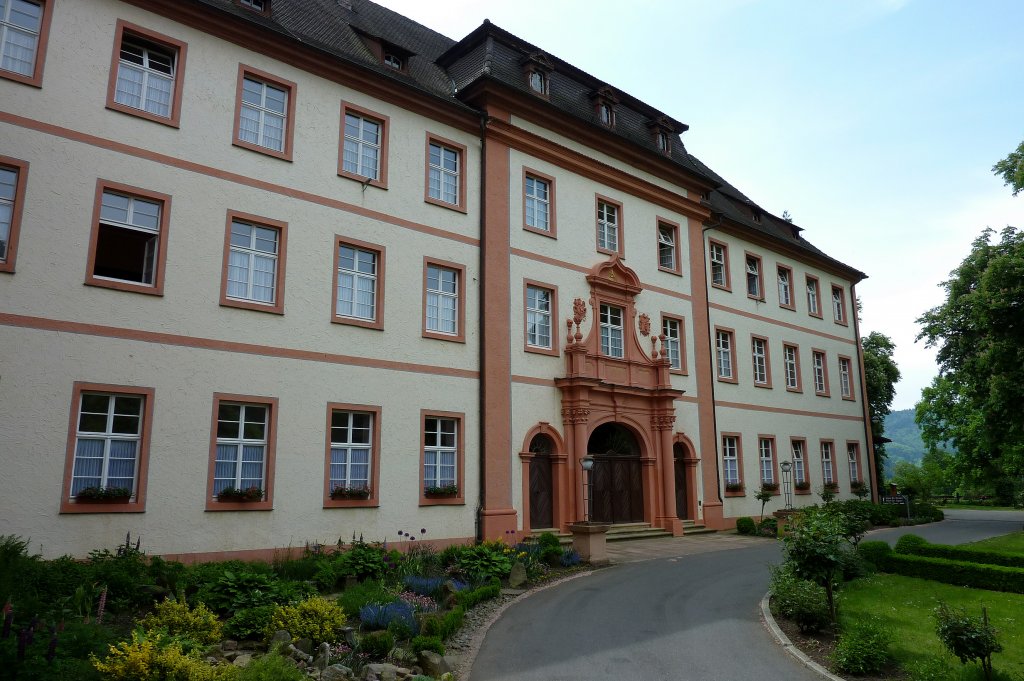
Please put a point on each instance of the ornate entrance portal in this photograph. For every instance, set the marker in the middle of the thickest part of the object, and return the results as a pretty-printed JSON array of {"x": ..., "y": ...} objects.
[{"x": 617, "y": 482}]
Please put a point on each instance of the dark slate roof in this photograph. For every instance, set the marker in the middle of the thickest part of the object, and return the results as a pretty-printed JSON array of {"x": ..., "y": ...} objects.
[{"x": 441, "y": 67}]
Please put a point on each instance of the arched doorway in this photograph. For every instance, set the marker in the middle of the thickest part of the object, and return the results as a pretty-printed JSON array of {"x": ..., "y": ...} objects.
[
  {"x": 617, "y": 478},
  {"x": 541, "y": 488},
  {"x": 678, "y": 459}
]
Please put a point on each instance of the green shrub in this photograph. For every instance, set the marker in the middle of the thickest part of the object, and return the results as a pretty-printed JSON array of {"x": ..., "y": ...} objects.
[
  {"x": 484, "y": 561},
  {"x": 960, "y": 573},
  {"x": 362, "y": 561},
  {"x": 471, "y": 597},
  {"x": 443, "y": 626},
  {"x": 966, "y": 554},
  {"x": 149, "y": 658},
  {"x": 355, "y": 597},
  {"x": 427, "y": 643},
  {"x": 199, "y": 624},
  {"x": 234, "y": 591},
  {"x": 909, "y": 543},
  {"x": 863, "y": 648},
  {"x": 874, "y": 552},
  {"x": 326, "y": 574},
  {"x": 250, "y": 623},
  {"x": 315, "y": 618},
  {"x": 883, "y": 514},
  {"x": 769, "y": 527},
  {"x": 377, "y": 644},
  {"x": 852, "y": 566},
  {"x": 124, "y": 574},
  {"x": 745, "y": 526},
  {"x": 297, "y": 569},
  {"x": 799, "y": 600},
  {"x": 550, "y": 548},
  {"x": 967, "y": 637},
  {"x": 271, "y": 667}
]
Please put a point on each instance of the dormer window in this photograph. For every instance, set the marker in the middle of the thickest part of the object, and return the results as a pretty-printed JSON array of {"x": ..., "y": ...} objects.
[
  {"x": 394, "y": 61},
  {"x": 756, "y": 217},
  {"x": 537, "y": 68},
  {"x": 256, "y": 5},
  {"x": 605, "y": 99},
  {"x": 664, "y": 144},
  {"x": 607, "y": 114},
  {"x": 538, "y": 82}
]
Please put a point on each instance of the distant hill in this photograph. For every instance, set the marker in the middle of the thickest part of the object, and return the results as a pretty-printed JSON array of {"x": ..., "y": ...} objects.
[{"x": 906, "y": 442}]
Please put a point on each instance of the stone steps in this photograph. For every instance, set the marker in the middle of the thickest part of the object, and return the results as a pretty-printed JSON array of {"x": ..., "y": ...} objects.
[{"x": 629, "y": 531}]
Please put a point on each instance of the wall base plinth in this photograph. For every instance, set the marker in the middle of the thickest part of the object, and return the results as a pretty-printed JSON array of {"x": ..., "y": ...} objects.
[
  {"x": 499, "y": 523},
  {"x": 714, "y": 516},
  {"x": 670, "y": 524}
]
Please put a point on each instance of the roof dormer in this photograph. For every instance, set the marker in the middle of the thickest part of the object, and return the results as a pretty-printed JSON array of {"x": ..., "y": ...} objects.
[
  {"x": 605, "y": 100},
  {"x": 537, "y": 68}
]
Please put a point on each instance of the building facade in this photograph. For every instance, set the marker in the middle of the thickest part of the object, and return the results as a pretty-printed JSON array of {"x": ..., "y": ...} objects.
[{"x": 281, "y": 271}]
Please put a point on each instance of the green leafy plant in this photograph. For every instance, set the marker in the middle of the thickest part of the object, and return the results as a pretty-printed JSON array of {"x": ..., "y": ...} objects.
[
  {"x": 734, "y": 487},
  {"x": 874, "y": 552},
  {"x": 355, "y": 597},
  {"x": 802, "y": 485},
  {"x": 253, "y": 493},
  {"x": 969, "y": 638},
  {"x": 449, "y": 490},
  {"x": 103, "y": 494},
  {"x": 250, "y": 623},
  {"x": 745, "y": 525},
  {"x": 483, "y": 561},
  {"x": 432, "y": 643},
  {"x": 363, "y": 561},
  {"x": 814, "y": 549},
  {"x": 377, "y": 644},
  {"x": 271, "y": 667},
  {"x": 315, "y": 618},
  {"x": 769, "y": 527},
  {"x": 362, "y": 492},
  {"x": 176, "y": 619},
  {"x": 863, "y": 648},
  {"x": 766, "y": 494},
  {"x": 799, "y": 600}
]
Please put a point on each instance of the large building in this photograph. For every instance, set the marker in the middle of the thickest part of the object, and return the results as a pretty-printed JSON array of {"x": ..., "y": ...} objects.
[{"x": 281, "y": 271}]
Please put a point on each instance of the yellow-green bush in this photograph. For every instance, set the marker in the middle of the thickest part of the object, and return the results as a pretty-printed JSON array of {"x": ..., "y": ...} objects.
[
  {"x": 197, "y": 624},
  {"x": 315, "y": 618},
  {"x": 146, "y": 658}
]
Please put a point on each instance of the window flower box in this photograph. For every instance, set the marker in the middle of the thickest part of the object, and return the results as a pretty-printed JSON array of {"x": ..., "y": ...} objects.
[
  {"x": 734, "y": 487},
  {"x": 441, "y": 491},
  {"x": 350, "y": 493},
  {"x": 104, "y": 495},
  {"x": 770, "y": 486},
  {"x": 234, "y": 494},
  {"x": 832, "y": 487},
  {"x": 802, "y": 486}
]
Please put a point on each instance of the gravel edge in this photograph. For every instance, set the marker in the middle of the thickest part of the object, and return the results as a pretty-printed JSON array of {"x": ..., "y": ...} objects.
[{"x": 787, "y": 645}]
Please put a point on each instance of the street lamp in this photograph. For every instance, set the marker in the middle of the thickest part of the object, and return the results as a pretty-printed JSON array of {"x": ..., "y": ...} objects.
[
  {"x": 587, "y": 462},
  {"x": 787, "y": 489}
]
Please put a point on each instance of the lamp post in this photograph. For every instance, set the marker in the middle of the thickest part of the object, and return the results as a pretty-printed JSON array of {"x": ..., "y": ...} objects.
[
  {"x": 787, "y": 488},
  {"x": 587, "y": 462}
]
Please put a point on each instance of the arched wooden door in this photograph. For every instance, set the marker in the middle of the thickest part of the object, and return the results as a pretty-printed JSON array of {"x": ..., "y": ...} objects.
[
  {"x": 678, "y": 454},
  {"x": 541, "y": 488},
  {"x": 617, "y": 480}
]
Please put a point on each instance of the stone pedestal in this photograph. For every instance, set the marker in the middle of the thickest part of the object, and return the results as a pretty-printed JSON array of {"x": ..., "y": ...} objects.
[{"x": 589, "y": 540}]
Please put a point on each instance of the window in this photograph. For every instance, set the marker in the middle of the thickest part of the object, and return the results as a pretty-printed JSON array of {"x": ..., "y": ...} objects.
[
  {"x": 242, "y": 456},
  {"x": 265, "y": 113},
  {"x": 392, "y": 60},
  {"x": 606, "y": 114},
  {"x": 539, "y": 303},
  {"x": 364, "y": 146},
  {"x": 351, "y": 444},
  {"x": 785, "y": 287},
  {"x": 13, "y": 175},
  {"x": 731, "y": 461},
  {"x": 827, "y": 474},
  {"x": 359, "y": 283},
  {"x": 443, "y": 291},
  {"x": 672, "y": 328},
  {"x": 147, "y": 74},
  {"x": 820, "y": 373},
  {"x": 724, "y": 357},
  {"x": 664, "y": 142},
  {"x": 24, "y": 26},
  {"x": 719, "y": 264},
  {"x": 668, "y": 248},
  {"x": 442, "y": 463},
  {"x": 845, "y": 380},
  {"x": 445, "y": 177},
  {"x": 612, "y": 344},
  {"x": 791, "y": 358},
  {"x": 754, "y": 288},
  {"x": 853, "y": 455},
  {"x": 766, "y": 456},
  {"x": 254, "y": 263},
  {"x": 838, "y": 305},
  {"x": 813, "y": 298},
  {"x": 128, "y": 243},
  {"x": 538, "y": 203},
  {"x": 759, "y": 357},
  {"x": 609, "y": 222},
  {"x": 799, "y": 470},
  {"x": 258, "y": 5},
  {"x": 538, "y": 82}
]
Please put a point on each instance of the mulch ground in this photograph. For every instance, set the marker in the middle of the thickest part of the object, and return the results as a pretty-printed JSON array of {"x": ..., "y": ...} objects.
[{"x": 819, "y": 648}]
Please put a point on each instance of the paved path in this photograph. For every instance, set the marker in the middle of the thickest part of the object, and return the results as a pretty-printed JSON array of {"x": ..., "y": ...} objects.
[{"x": 681, "y": 609}]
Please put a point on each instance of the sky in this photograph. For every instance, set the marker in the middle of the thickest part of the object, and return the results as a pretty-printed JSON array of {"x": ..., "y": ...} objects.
[{"x": 875, "y": 123}]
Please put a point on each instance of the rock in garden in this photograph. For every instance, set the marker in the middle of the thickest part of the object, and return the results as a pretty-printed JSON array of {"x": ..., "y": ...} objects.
[
  {"x": 280, "y": 636},
  {"x": 517, "y": 576},
  {"x": 228, "y": 644},
  {"x": 242, "y": 660},
  {"x": 381, "y": 672},
  {"x": 305, "y": 645},
  {"x": 349, "y": 635},
  {"x": 433, "y": 664},
  {"x": 336, "y": 672},
  {"x": 323, "y": 656}
]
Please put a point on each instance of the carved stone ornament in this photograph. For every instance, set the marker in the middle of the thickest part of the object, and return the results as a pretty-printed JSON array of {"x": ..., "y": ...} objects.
[
  {"x": 662, "y": 421},
  {"x": 645, "y": 324},
  {"x": 579, "y": 310},
  {"x": 575, "y": 414}
]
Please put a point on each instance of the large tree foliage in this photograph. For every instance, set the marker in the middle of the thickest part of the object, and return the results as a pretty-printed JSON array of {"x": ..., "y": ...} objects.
[
  {"x": 976, "y": 401},
  {"x": 881, "y": 375},
  {"x": 1011, "y": 169}
]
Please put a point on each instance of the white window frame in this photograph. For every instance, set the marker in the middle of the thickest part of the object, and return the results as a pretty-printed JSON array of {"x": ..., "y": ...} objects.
[
  {"x": 785, "y": 287},
  {"x": 392, "y": 60},
  {"x": 799, "y": 470},
  {"x": 845, "y": 384},
  {"x": 723, "y": 353},
  {"x": 354, "y": 281},
  {"x": 667, "y": 246},
  {"x": 444, "y": 180},
  {"x": 263, "y": 113},
  {"x": 356, "y": 145},
  {"x": 151, "y": 256},
  {"x": 150, "y": 76},
  {"x": 8, "y": 194},
  {"x": 718, "y": 269},
  {"x": 435, "y": 457},
  {"x": 108, "y": 436},
  {"x": 853, "y": 455},
  {"x": 759, "y": 360},
  {"x": 7, "y": 28},
  {"x": 753, "y": 270},
  {"x": 538, "y": 82},
  {"x": 538, "y": 203},
  {"x": 766, "y": 456},
  {"x": 252, "y": 256},
  {"x": 612, "y": 331},
  {"x": 827, "y": 474},
  {"x": 240, "y": 443},
  {"x": 818, "y": 359},
  {"x": 672, "y": 343},
  {"x": 441, "y": 300},
  {"x": 730, "y": 460},
  {"x": 345, "y": 447},
  {"x": 789, "y": 358},
  {"x": 538, "y": 316},
  {"x": 607, "y": 226},
  {"x": 813, "y": 297},
  {"x": 837, "y": 305}
]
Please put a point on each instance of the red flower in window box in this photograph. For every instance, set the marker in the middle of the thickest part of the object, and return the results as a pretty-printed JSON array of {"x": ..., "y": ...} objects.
[
  {"x": 441, "y": 491},
  {"x": 350, "y": 493},
  {"x": 234, "y": 494},
  {"x": 103, "y": 495}
]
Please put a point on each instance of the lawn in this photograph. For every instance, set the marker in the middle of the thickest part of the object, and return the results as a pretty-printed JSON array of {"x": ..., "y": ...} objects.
[
  {"x": 905, "y": 605},
  {"x": 1009, "y": 543}
]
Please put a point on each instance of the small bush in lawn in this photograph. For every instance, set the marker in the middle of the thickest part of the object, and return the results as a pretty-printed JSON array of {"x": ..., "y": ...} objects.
[
  {"x": 863, "y": 648},
  {"x": 799, "y": 600},
  {"x": 745, "y": 526},
  {"x": 377, "y": 644},
  {"x": 271, "y": 667},
  {"x": 315, "y": 618},
  {"x": 250, "y": 623},
  {"x": 355, "y": 597},
  {"x": 874, "y": 552},
  {"x": 969, "y": 638},
  {"x": 908, "y": 543},
  {"x": 421, "y": 643},
  {"x": 198, "y": 624}
]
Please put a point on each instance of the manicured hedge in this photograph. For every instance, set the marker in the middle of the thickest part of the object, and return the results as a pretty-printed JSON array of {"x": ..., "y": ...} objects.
[
  {"x": 919, "y": 547},
  {"x": 960, "y": 573},
  {"x": 467, "y": 599}
]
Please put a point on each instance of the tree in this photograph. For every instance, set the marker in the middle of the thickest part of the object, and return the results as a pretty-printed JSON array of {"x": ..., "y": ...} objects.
[
  {"x": 1011, "y": 169},
  {"x": 880, "y": 375},
  {"x": 974, "y": 403},
  {"x": 814, "y": 547}
]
